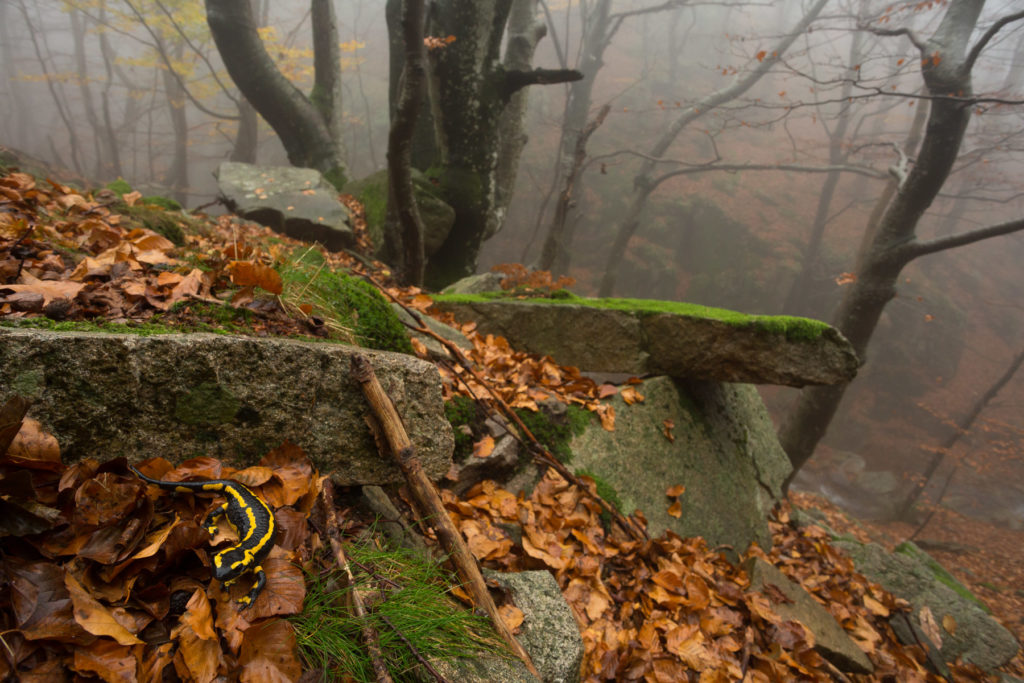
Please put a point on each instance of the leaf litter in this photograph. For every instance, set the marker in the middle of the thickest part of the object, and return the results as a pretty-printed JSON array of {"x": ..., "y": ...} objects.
[{"x": 110, "y": 580}]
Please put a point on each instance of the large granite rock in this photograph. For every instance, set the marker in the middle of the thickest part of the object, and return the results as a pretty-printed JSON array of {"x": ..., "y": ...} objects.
[
  {"x": 549, "y": 632},
  {"x": 297, "y": 202},
  {"x": 913, "y": 575},
  {"x": 830, "y": 640},
  {"x": 648, "y": 340},
  {"x": 182, "y": 395},
  {"x": 724, "y": 452}
]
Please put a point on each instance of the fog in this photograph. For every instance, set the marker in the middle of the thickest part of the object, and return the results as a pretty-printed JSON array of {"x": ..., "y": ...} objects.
[{"x": 111, "y": 88}]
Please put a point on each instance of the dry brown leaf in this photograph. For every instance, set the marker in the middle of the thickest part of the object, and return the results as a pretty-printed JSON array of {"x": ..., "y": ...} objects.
[
  {"x": 93, "y": 616},
  {"x": 484, "y": 447},
  {"x": 673, "y": 491},
  {"x": 930, "y": 626}
]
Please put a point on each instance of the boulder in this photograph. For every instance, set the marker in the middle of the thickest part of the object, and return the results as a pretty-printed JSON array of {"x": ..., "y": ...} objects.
[
  {"x": 549, "y": 632},
  {"x": 913, "y": 575},
  {"x": 723, "y": 450},
  {"x": 185, "y": 395},
  {"x": 297, "y": 202},
  {"x": 445, "y": 331},
  {"x": 665, "y": 338},
  {"x": 438, "y": 216},
  {"x": 830, "y": 640}
]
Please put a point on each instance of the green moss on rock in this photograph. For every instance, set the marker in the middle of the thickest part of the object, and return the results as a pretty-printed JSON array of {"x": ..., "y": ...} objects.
[
  {"x": 208, "y": 404},
  {"x": 793, "y": 328},
  {"x": 555, "y": 433},
  {"x": 119, "y": 186},
  {"x": 911, "y": 550},
  {"x": 461, "y": 412}
]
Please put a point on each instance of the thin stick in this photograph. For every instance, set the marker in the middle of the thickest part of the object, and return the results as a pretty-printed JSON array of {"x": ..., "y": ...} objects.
[
  {"x": 428, "y": 499},
  {"x": 370, "y": 636}
]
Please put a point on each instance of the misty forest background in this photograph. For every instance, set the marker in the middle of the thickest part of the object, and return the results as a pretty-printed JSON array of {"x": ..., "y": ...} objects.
[{"x": 137, "y": 89}]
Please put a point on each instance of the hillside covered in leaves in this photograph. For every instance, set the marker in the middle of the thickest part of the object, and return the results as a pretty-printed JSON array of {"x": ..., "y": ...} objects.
[{"x": 107, "y": 579}]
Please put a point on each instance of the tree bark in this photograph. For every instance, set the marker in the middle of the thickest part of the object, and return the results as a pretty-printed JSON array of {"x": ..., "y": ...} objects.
[
  {"x": 326, "y": 96},
  {"x": 948, "y": 80},
  {"x": 298, "y": 123},
  {"x": 470, "y": 87},
  {"x": 177, "y": 174},
  {"x": 247, "y": 139},
  {"x": 642, "y": 182},
  {"x": 402, "y": 205}
]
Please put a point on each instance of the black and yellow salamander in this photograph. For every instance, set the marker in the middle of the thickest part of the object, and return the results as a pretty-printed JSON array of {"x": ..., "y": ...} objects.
[{"x": 250, "y": 517}]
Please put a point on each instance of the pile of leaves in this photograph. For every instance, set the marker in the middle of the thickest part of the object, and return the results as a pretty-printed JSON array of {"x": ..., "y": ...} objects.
[
  {"x": 71, "y": 255},
  {"x": 109, "y": 577},
  {"x": 673, "y": 609}
]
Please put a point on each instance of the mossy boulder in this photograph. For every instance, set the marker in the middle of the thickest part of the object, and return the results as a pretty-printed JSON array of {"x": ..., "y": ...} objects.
[
  {"x": 184, "y": 395},
  {"x": 965, "y": 627},
  {"x": 643, "y": 336},
  {"x": 722, "y": 449},
  {"x": 438, "y": 217}
]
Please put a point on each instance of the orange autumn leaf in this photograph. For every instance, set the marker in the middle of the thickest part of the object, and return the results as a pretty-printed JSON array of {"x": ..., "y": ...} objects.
[
  {"x": 484, "y": 447},
  {"x": 761, "y": 55},
  {"x": 673, "y": 491},
  {"x": 247, "y": 273},
  {"x": 675, "y": 509}
]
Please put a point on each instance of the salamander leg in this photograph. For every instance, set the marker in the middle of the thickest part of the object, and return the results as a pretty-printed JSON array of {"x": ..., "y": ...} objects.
[
  {"x": 261, "y": 581},
  {"x": 210, "y": 523}
]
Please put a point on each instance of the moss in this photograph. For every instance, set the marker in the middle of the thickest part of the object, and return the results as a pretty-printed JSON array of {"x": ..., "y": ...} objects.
[
  {"x": 461, "y": 411},
  {"x": 336, "y": 177},
  {"x": 160, "y": 221},
  {"x": 607, "y": 492},
  {"x": 910, "y": 550},
  {"x": 351, "y": 301},
  {"x": 556, "y": 433},
  {"x": 163, "y": 202},
  {"x": 793, "y": 328},
  {"x": 141, "y": 329},
  {"x": 28, "y": 384},
  {"x": 119, "y": 186},
  {"x": 208, "y": 404}
]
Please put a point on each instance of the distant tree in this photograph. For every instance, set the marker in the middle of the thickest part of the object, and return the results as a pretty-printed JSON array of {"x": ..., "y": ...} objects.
[
  {"x": 646, "y": 180},
  {"x": 472, "y": 137},
  {"x": 947, "y": 59}
]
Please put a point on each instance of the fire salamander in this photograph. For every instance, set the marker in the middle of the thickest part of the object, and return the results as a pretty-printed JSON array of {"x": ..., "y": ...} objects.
[{"x": 248, "y": 515}]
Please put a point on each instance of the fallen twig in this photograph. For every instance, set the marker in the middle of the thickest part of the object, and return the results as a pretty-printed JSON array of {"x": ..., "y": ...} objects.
[
  {"x": 430, "y": 503},
  {"x": 370, "y": 636}
]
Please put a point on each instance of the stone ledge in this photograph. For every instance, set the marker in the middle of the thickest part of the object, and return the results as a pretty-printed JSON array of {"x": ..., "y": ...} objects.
[
  {"x": 664, "y": 343},
  {"x": 185, "y": 395}
]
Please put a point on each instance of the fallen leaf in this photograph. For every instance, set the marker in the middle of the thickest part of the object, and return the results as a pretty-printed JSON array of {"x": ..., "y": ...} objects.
[{"x": 484, "y": 447}]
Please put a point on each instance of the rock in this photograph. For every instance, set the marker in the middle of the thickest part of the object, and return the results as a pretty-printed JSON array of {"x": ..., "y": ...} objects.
[
  {"x": 445, "y": 331},
  {"x": 500, "y": 463},
  {"x": 297, "y": 202},
  {"x": 476, "y": 284},
  {"x": 913, "y": 575},
  {"x": 641, "y": 337},
  {"x": 480, "y": 669},
  {"x": 830, "y": 639},
  {"x": 438, "y": 217},
  {"x": 549, "y": 632},
  {"x": 183, "y": 395},
  {"x": 725, "y": 453}
]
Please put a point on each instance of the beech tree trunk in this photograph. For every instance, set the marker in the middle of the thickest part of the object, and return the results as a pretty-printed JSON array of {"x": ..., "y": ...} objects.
[
  {"x": 303, "y": 130},
  {"x": 948, "y": 82},
  {"x": 402, "y": 207},
  {"x": 469, "y": 87}
]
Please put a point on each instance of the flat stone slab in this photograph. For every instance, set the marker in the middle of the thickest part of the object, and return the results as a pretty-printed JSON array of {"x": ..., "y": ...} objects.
[
  {"x": 297, "y": 202},
  {"x": 235, "y": 398},
  {"x": 640, "y": 337},
  {"x": 831, "y": 641}
]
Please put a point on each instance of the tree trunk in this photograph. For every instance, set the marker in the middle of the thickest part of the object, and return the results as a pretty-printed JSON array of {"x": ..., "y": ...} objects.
[
  {"x": 326, "y": 95},
  {"x": 470, "y": 88},
  {"x": 298, "y": 123},
  {"x": 892, "y": 246},
  {"x": 177, "y": 173},
  {"x": 642, "y": 182},
  {"x": 402, "y": 207},
  {"x": 961, "y": 428},
  {"x": 247, "y": 138}
]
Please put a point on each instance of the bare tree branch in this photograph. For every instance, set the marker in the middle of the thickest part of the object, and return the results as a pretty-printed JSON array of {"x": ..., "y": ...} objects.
[
  {"x": 972, "y": 56},
  {"x": 917, "y": 249},
  {"x": 517, "y": 80}
]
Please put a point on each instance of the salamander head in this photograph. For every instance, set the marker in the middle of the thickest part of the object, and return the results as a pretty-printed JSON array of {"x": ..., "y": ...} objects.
[{"x": 230, "y": 564}]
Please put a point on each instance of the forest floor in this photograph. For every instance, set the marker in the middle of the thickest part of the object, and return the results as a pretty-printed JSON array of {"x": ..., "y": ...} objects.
[
  {"x": 985, "y": 557},
  {"x": 658, "y": 609}
]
